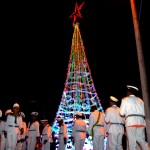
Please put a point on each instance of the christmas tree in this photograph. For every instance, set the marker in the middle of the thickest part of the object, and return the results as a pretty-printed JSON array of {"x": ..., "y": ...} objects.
[{"x": 79, "y": 92}]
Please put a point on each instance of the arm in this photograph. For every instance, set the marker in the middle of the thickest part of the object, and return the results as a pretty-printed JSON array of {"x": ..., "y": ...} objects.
[
  {"x": 74, "y": 129},
  {"x": 91, "y": 122},
  {"x": 107, "y": 116},
  {"x": 21, "y": 125},
  {"x": 123, "y": 108}
]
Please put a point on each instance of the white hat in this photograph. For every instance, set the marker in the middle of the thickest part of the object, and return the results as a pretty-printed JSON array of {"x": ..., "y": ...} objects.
[
  {"x": 34, "y": 113},
  {"x": 1, "y": 113},
  {"x": 22, "y": 114},
  {"x": 8, "y": 111},
  {"x": 44, "y": 120},
  {"x": 16, "y": 105},
  {"x": 112, "y": 98},
  {"x": 78, "y": 113},
  {"x": 59, "y": 119},
  {"x": 132, "y": 87}
]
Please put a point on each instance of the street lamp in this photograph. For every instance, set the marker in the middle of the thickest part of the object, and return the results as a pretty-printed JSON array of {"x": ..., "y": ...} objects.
[
  {"x": 34, "y": 101},
  {"x": 142, "y": 69}
]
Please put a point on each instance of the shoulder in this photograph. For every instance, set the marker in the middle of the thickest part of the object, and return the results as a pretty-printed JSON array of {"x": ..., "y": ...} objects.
[
  {"x": 108, "y": 109},
  {"x": 102, "y": 114},
  {"x": 140, "y": 100},
  {"x": 48, "y": 125},
  {"x": 37, "y": 123},
  {"x": 125, "y": 98}
]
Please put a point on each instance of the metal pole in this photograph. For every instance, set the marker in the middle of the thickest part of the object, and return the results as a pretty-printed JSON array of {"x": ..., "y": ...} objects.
[{"x": 143, "y": 77}]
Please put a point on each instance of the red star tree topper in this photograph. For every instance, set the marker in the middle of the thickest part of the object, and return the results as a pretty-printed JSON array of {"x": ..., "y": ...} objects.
[{"x": 76, "y": 13}]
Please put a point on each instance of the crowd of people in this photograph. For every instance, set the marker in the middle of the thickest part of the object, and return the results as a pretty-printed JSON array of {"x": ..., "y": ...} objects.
[{"x": 127, "y": 120}]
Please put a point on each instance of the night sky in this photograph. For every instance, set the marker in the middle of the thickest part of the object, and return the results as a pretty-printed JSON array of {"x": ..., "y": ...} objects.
[{"x": 35, "y": 49}]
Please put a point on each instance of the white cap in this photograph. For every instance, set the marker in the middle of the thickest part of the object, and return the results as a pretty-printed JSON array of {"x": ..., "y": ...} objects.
[
  {"x": 78, "y": 113},
  {"x": 34, "y": 113},
  {"x": 1, "y": 113},
  {"x": 113, "y": 99},
  {"x": 8, "y": 111},
  {"x": 22, "y": 114},
  {"x": 16, "y": 105},
  {"x": 44, "y": 120},
  {"x": 59, "y": 119},
  {"x": 132, "y": 87}
]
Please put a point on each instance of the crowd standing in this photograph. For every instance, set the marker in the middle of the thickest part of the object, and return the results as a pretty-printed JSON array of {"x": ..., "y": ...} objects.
[{"x": 127, "y": 120}]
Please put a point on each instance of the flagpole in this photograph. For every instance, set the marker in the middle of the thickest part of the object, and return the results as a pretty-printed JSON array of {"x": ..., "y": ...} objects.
[{"x": 142, "y": 69}]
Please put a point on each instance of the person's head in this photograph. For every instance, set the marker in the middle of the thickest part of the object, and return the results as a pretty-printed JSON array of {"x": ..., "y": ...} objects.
[
  {"x": 22, "y": 114},
  {"x": 16, "y": 108},
  {"x": 93, "y": 107},
  {"x": 132, "y": 90},
  {"x": 34, "y": 116},
  {"x": 60, "y": 121},
  {"x": 79, "y": 115},
  {"x": 113, "y": 100},
  {"x": 44, "y": 122}
]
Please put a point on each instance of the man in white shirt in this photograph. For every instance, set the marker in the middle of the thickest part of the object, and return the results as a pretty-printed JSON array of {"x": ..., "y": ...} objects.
[
  {"x": 97, "y": 128},
  {"x": 21, "y": 144},
  {"x": 14, "y": 127},
  {"x": 3, "y": 130},
  {"x": 132, "y": 107},
  {"x": 62, "y": 138},
  {"x": 116, "y": 125},
  {"x": 33, "y": 132},
  {"x": 46, "y": 135},
  {"x": 79, "y": 131}
]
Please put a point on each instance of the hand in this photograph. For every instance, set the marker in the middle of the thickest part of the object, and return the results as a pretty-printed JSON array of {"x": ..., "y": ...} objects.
[
  {"x": 38, "y": 140},
  {"x": 107, "y": 134},
  {"x": 65, "y": 140},
  {"x": 5, "y": 134},
  {"x": 22, "y": 140},
  {"x": 21, "y": 131},
  {"x": 26, "y": 137},
  {"x": 45, "y": 141}
]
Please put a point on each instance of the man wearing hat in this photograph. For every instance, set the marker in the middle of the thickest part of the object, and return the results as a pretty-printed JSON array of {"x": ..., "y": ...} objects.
[
  {"x": 3, "y": 144},
  {"x": 46, "y": 135},
  {"x": 21, "y": 144},
  {"x": 33, "y": 132},
  {"x": 14, "y": 127},
  {"x": 132, "y": 107},
  {"x": 97, "y": 128},
  {"x": 79, "y": 131},
  {"x": 116, "y": 125},
  {"x": 62, "y": 138}
]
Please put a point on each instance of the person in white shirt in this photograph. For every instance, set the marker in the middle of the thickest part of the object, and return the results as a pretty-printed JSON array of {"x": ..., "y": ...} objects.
[
  {"x": 13, "y": 127},
  {"x": 46, "y": 135},
  {"x": 97, "y": 128},
  {"x": 3, "y": 130},
  {"x": 132, "y": 107},
  {"x": 63, "y": 137},
  {"x": 21, "y": 144},
  {"x": 116, "y": 125},
  {"x": 79, "y": 131},
  {"x": 33, "y": 132}
]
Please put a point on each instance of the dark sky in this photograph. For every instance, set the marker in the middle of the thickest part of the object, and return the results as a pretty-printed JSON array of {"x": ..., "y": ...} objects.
[{"x": 35, "y": 49}]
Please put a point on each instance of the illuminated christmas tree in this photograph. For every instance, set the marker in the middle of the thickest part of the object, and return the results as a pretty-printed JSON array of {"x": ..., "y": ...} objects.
[{"x": 79, "y": 92}]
